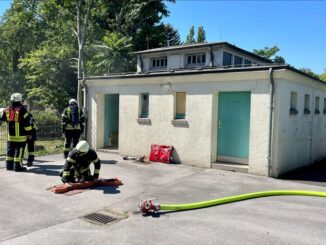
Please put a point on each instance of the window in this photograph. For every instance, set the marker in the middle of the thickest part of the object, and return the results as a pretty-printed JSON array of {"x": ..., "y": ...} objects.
[
  {"x": 247, "y": 62},
  {"x": 144, "y": 105},
  {"x": 198, "y": 59},
  {"x": 324, "y": 111},
  {"x": 159, "y": 62},
  {"x": 227, "y": 59},
  {"x": 306, "y": 104},
  {"x": 294, "y": 103},
  {"x": 317, "y": 99},
  {"x": 180, "y": 111},
  {"x": 238, "y": 61}
]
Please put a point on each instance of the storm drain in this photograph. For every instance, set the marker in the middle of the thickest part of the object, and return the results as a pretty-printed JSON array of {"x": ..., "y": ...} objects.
[{"x": 98, "y": 218}]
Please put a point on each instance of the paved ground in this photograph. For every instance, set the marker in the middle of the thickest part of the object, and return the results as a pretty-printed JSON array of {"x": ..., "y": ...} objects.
[{"x": 32, "y": 215}]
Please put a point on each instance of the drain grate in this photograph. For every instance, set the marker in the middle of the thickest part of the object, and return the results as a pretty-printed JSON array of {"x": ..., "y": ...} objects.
[{"x": 98, "y": 218}]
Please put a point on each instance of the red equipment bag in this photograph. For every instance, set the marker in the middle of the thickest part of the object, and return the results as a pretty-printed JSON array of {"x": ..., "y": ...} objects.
[{"x": 161, "y": 153}]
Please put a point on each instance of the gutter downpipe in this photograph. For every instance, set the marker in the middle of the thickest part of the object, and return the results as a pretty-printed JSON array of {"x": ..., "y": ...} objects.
[
  {"x": 85, "y": 103},
  {"x": 271, "y": 114}
]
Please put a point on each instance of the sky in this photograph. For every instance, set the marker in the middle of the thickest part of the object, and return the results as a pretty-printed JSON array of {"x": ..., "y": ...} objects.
[{"x": 298, "y": 28}]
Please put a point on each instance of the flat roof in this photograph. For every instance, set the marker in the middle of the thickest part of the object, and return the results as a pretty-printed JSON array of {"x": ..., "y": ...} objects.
[
  {"x": 203, "y": 70},
  {"x": 200, "y": 45}
]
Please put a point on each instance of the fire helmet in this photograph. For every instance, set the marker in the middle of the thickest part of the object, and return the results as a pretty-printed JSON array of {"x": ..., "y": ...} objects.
[
  {"x": 82, "y": 146},
  {"x": 72, "y": 102},
  {"x": 16, "y": 97}
]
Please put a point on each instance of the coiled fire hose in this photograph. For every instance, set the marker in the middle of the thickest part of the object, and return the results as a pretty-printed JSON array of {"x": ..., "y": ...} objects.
[{"x": 148, "y": 206}]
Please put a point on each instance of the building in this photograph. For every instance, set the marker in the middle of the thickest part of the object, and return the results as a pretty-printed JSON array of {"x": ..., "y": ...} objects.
[{"x": 212, "y": 102}]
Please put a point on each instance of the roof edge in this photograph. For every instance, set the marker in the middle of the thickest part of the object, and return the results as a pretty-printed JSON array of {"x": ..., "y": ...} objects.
[{"x": 203, "y": 71}]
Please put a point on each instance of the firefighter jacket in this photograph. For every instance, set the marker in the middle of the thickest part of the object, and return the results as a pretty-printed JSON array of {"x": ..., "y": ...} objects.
[
  {"x": 72, "y": 118},
  {"x": 81, "y": 163},
  {"x": 18, "y": 121}
]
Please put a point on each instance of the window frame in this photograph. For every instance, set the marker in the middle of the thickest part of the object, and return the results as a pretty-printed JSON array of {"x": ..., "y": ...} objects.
[
  {"x": 240, "y": 58},
  {"x": 159, "y": 63},
  {"x": 231, "y": 60},
  {"x": 196, "y": 59},
  {"x": 178, "y": 115},
  {"x": 306, "y": 105},
  {"x": 317, "y": 105},
  {"x": 293, "y": 103},
  {"x": 142, "y": 113}
]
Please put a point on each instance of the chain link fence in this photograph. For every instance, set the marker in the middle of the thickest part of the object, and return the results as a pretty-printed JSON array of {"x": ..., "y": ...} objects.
[{"x": 49, "y": 139}]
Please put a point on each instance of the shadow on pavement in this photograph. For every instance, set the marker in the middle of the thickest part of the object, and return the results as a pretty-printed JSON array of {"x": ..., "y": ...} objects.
[
  {"x": 108, "y": 189},
  {"x": 51, "y": 170},
  {"x": 314, "y": 174},
  {"x": 109, "y": 162}
]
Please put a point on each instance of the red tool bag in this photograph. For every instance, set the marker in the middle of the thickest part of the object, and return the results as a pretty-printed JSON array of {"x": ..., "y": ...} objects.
[{"x": 161, "y": 153}]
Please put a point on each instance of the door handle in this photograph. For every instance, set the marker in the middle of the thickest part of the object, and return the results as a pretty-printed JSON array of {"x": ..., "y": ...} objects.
[{"x": 219, "y": 124}]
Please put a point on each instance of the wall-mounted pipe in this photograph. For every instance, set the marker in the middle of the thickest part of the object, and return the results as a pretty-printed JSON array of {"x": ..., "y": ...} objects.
[
  {"x": 85, "y": 106},
  {"x": 271, "y": 114}
]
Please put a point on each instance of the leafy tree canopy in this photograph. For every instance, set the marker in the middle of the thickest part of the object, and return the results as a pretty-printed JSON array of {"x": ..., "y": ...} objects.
[{"x": 270, "y": 53}]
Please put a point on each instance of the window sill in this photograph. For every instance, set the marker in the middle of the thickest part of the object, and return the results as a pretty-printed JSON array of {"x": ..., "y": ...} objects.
[
  {"x": 144, "y": 120},
  {"x": 293, "y": 112},
  {"x": 179, "y": 122}
]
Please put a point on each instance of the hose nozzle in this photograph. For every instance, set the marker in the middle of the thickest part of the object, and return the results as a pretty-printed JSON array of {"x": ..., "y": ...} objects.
[{"x": 148, "y": 206}]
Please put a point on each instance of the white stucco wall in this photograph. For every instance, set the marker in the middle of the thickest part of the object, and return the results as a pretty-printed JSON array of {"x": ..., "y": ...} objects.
[
  {"x": 299, "y": 139},
  {"x": 195, "y": 143}
]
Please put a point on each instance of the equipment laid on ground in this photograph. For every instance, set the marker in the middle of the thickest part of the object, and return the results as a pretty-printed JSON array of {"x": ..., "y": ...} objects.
[
  {"x": 148, "y": 206},
  {"x": 58, "y": 189},
  {"x": 161, "y": 153}
]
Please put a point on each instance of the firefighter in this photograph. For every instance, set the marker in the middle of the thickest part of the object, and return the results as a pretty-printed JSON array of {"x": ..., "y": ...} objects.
[
  {"x": 31, "y": 142},
  {"x": 72, "y": 124},
  {"x": 19, "y": 129},
  {"x": 77, "y": 165}
]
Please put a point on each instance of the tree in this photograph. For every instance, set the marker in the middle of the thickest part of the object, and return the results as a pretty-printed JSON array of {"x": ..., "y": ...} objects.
[
  {"x": 172, "y": 36},
  {"x": 323, "y": 76},
  {"x": 191, "y": 36},
  {"x": 113, "y": 53},
  {"x": 270, "y": 53},
  {"x": 201, "y": 36},
  {"x": 309, "y": 72},
  {"x": 46, "y": 45}
]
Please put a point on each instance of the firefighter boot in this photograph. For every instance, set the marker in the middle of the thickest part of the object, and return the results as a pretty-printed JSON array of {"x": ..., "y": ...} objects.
[
  {"x": 10, "y": 165},
  {"x": 19, "y": 168}
]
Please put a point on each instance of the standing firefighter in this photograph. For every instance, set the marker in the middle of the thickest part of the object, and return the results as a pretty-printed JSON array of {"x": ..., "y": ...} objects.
[
  {"x": 31, "y": 142},
  {"x": 72, "y": 125},
  {"x": 77, "y": 164},
  {"x": 19, "y": 129}
]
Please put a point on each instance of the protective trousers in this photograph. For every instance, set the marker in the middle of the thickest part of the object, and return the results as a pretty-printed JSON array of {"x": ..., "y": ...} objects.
[
  {"x": 14, "y": 159},
  {"x": 71, "y": 136},
  {"x": 31, "y": 151}
]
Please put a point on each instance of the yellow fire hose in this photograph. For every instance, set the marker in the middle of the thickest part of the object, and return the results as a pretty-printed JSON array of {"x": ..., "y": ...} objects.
[{"x": 148, "y": 206}]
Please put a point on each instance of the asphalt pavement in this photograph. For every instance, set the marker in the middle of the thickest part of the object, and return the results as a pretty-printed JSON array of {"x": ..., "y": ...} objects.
[{"x": 31, "y": 214}]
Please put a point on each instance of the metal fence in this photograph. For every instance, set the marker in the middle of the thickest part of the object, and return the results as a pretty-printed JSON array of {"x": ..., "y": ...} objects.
[{"x": 49, "y": 139}]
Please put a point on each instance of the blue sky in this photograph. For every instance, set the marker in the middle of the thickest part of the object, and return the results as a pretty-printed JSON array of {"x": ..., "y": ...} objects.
[{"x": 298, "y": 28}]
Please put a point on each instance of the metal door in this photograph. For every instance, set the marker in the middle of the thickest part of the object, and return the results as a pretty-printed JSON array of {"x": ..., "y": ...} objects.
[{"x": 233, "y": 126}]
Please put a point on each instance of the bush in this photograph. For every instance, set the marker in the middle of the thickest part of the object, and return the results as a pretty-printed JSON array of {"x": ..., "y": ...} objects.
[{"x": 48, "y": 124}]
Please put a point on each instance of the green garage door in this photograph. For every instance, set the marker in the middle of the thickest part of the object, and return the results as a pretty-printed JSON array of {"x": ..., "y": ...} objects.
[{"x": 233, "y": 126}]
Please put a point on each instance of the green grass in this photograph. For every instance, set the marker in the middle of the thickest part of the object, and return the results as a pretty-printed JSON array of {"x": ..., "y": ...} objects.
[{"x": 46, "y": 147}]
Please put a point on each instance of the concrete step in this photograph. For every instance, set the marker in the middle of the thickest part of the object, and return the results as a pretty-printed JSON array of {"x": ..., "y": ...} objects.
[
  {"x": 109, "y": 150},
  {"x": 234, "y": 167}
]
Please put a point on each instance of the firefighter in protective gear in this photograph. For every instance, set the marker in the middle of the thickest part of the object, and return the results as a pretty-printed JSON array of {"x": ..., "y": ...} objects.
[
  {"x": 19, "y": 129},
  {"x": 76, "y": 168},
  {"x": 72, "y": 124},
  {"x": 31, "y": 142}
]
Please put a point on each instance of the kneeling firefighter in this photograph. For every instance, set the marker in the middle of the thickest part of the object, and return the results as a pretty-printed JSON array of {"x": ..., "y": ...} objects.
[{"x": 76, "y": 168}]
